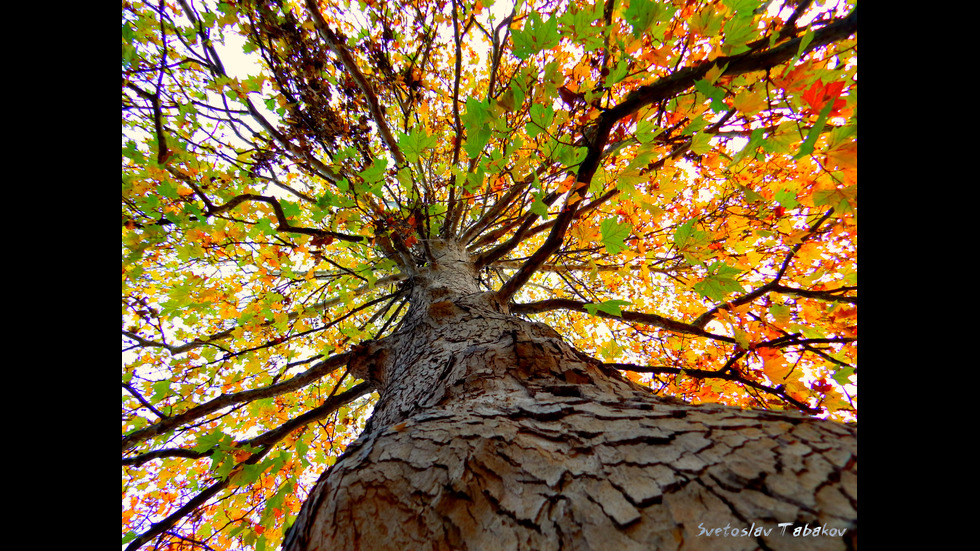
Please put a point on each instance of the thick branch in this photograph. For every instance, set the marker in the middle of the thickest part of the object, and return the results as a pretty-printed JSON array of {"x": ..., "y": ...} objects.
[
  {"x": 175, "y": 349},
  {"x": 451, "y": 206},
  {"x": 163, "y": 153},
  {"x": 194, "y": 503},
  {"x": 724, "y": 373},
  {"x": 491, "y": 256},
  {"x": 665, "y": 88},
  {"x": 309, "y": 376},
  {"x": 829, "y": 295},
  {"x": 267, "y": 439},
  {"x": 627, "y": 316},
  {"x": 747, "y": 62},
  {"x": 565, "y": 268},
  {"x": 263, "y": 443},
  {"x": 283, "y": 224},
  {"x": 294, "y": 315}
]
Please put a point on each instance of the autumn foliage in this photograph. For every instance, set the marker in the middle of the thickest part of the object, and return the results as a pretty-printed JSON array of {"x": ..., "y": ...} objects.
[{"x": 671, "y": 185}]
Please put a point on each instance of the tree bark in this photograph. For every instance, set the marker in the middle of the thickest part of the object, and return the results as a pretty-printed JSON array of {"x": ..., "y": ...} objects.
[{"x": 493, "y": 433}]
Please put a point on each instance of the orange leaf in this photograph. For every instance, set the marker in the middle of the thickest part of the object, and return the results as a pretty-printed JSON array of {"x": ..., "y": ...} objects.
[
  {"x": 818, "y": 95},
  {"x": 774, "y": 365}
]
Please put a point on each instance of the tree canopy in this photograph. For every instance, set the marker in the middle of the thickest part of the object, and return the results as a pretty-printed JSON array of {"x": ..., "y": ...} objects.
[{"x": 670, "y": 185}]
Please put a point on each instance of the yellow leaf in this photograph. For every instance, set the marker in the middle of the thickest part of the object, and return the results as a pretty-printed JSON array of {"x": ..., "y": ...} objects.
[
  {"x": 797, "y": 236},
  {"x": 713, "y": 73},
  {"x": 750, "y": 102},
  {"x": 844, "y": 156}
]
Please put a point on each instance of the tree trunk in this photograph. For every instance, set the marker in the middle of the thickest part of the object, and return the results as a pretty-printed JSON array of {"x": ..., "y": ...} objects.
[{"x": 493, "y": 433}]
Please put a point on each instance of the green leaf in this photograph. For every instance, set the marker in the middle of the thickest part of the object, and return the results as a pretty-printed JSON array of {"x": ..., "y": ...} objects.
[
  {"x": 578, "y": 24},
  {"x": 611, "y": 307},
  {"x": 275, "y": 502},
  {"x": 536, "y": 35},
  {"x": 719, "y": 283},
  {"x": 714, "y": 93},
  {"x": 222, "y": 463},
  {"x": 160, "y": 390},
  {"x": 618, "y": 72},
  {"x": 647, "y": 130},
  {"x": 738, "y": 32},
  {"x": 701, "y": 143},
  {"x": 781, "y": 313},
  {"x": 642, "y": 14},
  {"x": 683, "y": 233},
  {"x": 475, "y": 179},
  {"x": 754, "y": 142},
  {"x": 416, "y": 143},
  {"x": 750, "y": 195},
  {"x": 843, "y": 375},
  {"x": 290, "y": 209},
  {"x": 374, "y": 175},
  {"x": 477, "y": 121},
  {"x": 167, "y": 190},
  {"x": 265, "y": 226},
  {"x": 741, "y": 337},
  {"x": 541, "y": 118},
  {"x": 538, "y": 207},
  {"x": 706, "y": 22},
  {"x": 807, "y": 38},
  {"x": 301, "y": 448},
  {"x": 740, "y": 29},
  {"x": 614, "y": 235},
  {"x": 842, "y": 200},
  {"x": 786, "y": 198},
  {"x": 211, "y": 440},
  {"x": 570, "y": 155}
]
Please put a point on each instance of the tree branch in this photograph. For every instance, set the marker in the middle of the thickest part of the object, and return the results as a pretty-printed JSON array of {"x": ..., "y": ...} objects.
[
  {"x": 218, "y": 68},
  {"x": 723, "y": 373},
  {"x": 267, "y": 439},
  {"x": 706, "y": 317},
  {"x": 753, "y": 60},
  {"x": 309, "y": 376},
  {"x": 451, "y": 206},
  {"x": 265, "y": 442},
  {"x": 627, "y": 316},
  {"x": 667, "y": 87},
  {"x": 143, "y": 401},
  {"x": 338, "y": 48},
  {"x": 283, "y": 224}
]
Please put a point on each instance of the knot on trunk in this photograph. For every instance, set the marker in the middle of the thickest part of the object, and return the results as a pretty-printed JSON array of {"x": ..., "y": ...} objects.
[
  {"x": 440, "y": 311},
  {"x": 367, "y": 362}
]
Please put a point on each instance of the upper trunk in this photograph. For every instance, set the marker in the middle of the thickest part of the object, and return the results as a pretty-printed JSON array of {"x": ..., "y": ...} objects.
[{"x": 491, "y": 432}]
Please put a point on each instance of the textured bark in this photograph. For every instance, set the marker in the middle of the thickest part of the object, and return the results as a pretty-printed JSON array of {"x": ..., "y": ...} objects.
[{"x": 493, "y": 433}]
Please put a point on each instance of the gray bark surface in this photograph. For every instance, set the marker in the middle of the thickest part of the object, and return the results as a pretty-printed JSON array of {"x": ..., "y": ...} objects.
[{"x": 493, "y": 433}]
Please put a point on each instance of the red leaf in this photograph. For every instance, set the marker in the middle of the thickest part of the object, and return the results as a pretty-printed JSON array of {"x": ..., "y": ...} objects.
[{"x": 819, "y": 94}]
